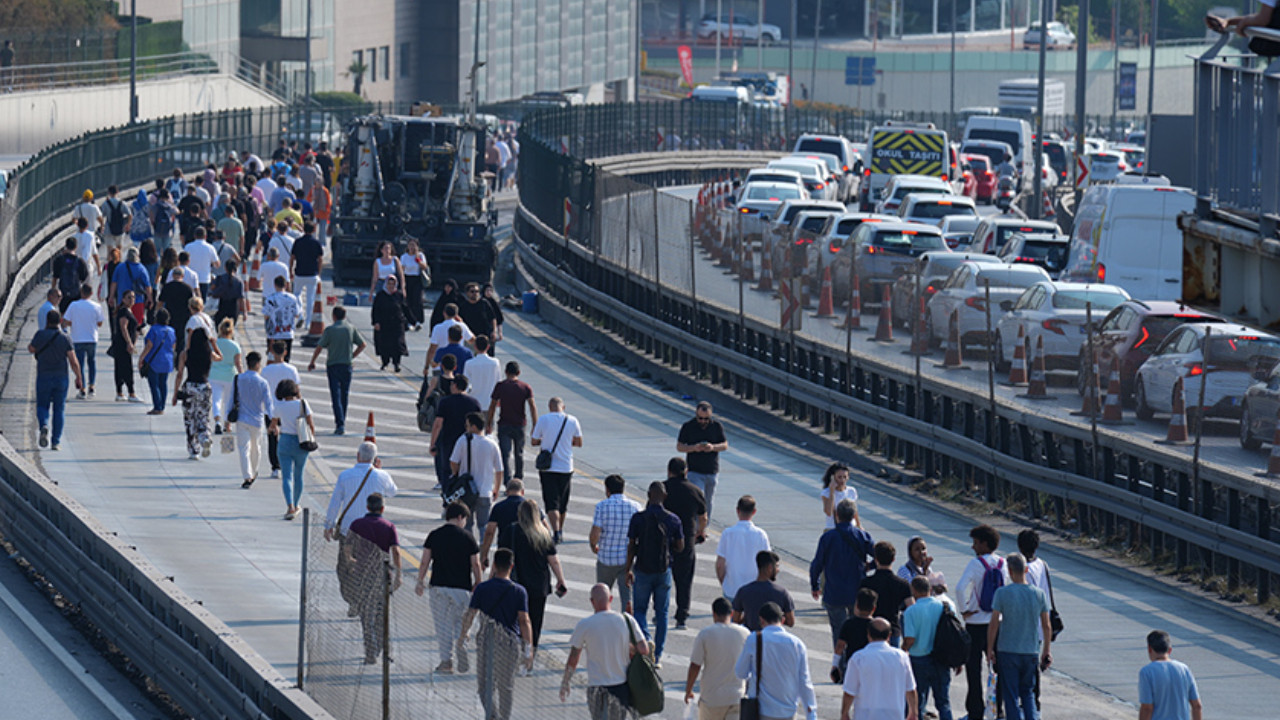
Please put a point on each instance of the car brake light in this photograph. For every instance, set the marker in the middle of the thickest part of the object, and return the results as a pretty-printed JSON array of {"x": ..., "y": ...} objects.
[
  {"x": 1247, "y": 337},
  {"x": 819, "y": 186},
  {"x": 1187, "y": 315},
  {"x": 1054, "y": 325},
  {"x": 909, "y": 232},
  {"x": 986, "y": 173},
  {"x": 944, "y": 202},
  {"x": 930, "y": 289},
  {"x": 832, "y": 247},
  {"x": 1145, "y": 337},
  {"x": 872, "y": 250},
  {"x": 1194, "y": 369},
  {"x": 1024, "y": 260},
  {"x": 846, "y": 168},
  {"x": 975, "y": 302},
  {"x": 866, "y": 172},
  {"x": 1102, "y": 273}
]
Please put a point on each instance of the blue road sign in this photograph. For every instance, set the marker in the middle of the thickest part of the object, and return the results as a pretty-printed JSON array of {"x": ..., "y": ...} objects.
[{"x": 859, "y": 70}]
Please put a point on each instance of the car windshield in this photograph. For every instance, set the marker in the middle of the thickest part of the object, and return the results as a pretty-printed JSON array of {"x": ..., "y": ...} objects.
[
  {"x": 773, "y": 192},
  {"x": 943, "y": 264},
  {"x": 1057, "y": 155},
  {"x": 1241, "y": 348},
  {"x": 994, "y": 154},
  {"x": 1077, "y": 299},
  {"x": 1052, "y": 254},
  {"x": 908, "y": 239},
  {"x": 1010, "y": 278},
  {"x": 904, "y": 190},
  {"x": 1158, "y": 327},
  {"x": 845, "y": 228},
  {"x": 1005, "y": 136},
  {"x": 814, "y": 223},
  {"x": 1003, "y": 232},
  {"x": 758, "y": 176},
  {"x": 1105, "y": 159},
  {"x": 814, "y": 145},
  {"x": 935, "y": 210},
  {"x": 805, "y": 169}
]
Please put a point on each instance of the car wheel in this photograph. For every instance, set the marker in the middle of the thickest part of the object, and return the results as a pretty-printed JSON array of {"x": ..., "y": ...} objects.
[
  {"x": 769, "y": 39},
  {"x": 1002, "y": 364},
  {"x": 1247, "y": 440},
  {"x": 1143, "y": 410}
]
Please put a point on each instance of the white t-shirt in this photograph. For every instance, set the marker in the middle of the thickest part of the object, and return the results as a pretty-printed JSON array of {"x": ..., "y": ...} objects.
[
  {"x": 716, "y": 649},
  {"x": 440, "y": 333},
  {"x": 280, "y": 310},
  {"x": 484, "y": 372},
  {"x": 269, "y": 271},
  {"x": 849, "y": 493},
  {"x": 547, "y": 429},
  {"x": 267, "y": 186},
  {"x": 201, "y": 320},
  {"x": 284, "y": 244},
  {"x": 739, "y": 544},
  {"x": 411, "y": 266},
  {"x": 202, "y": 257},
  {"x": 276, "y": 372},
  {"x": 287, "y": 412},
  {"x": 606, "y": 640},
  {"x": 190, "y": 277},
  {"x": 84, "y": 316},
  {"x": 88, "y": 211},
  {"x": 86, "y": 246},
  {"x": 486, "y": 459}
]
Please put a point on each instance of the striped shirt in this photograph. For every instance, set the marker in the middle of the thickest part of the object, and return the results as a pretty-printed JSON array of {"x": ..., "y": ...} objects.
[{"x": 613, "y": 517}]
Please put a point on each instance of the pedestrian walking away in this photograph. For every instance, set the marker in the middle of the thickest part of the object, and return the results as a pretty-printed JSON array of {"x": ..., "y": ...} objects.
[
  {"x": 761, "y": 591},
  {"x": 440, "y": 336},
  {"x": 70, "y": 273},
  {"x": 191, "y": 387},
  {"x": 289, "y": 414},
  {"x": 250, "y": 405},
  {"x": 1014, "y": 647},
  {"x": 703, "y": 439},
  {"x": 609, "y": 639},
  {"x": 715, "y": 651},
  {"x": 502, "y": 518},
  {"x": 307, "y": 259},
  {"x": 555, "y": 461},
  {"x": 483, "y": 370},
  {"x": 536, "y": 563},
  {"x": 274, "y": 372},
  {"x": 688, "y": 503},
  {"x": 156, "y": 361},
  {"x": 379, "y": 544},
  {"x": 609, "y": 540},
  {"x": 853, "y": 633},
  {"x": 54, "y": 355},
  {"x": 838, "y": 566},
  {"x": 123, "y": 345},
  {"x": 984, "y": 574},
  {"x": 503, "y": 630},
  {"x": 452, "y": 558},
  {"x": 775, "y": 665},
  {"x": 350, "y": 493},
  {"x": 736, "y": 552},
  {"x": 82, "y": 320},
  {"x": 919, "y": 627},
  {"x": 1166, "y": 688},
  {"x": 225, "y": 370},
  {"x": 893, "y": 593},
  {"x": 836, "y": 489},
  {"x": 477, "y": 455},
  {"x": 1037, "y": 576},
  {"x": 117, "y": 218},
  {"x": 450, "y": 424},
  {"x": 509, "y": 399},
  {"x": 879, "y": 683},
  {"x": 655, "y": 536},
  {"x": 343, "y": 344}
]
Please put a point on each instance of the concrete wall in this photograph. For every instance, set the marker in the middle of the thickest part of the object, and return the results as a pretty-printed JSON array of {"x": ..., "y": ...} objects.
[
  {"x": 367, "y": 25},
  {"x": 30, "y": 121}
]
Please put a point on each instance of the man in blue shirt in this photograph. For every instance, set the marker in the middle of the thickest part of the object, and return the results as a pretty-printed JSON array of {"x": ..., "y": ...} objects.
[
  {"x": 504, "y": 629},
  {"x": 786, "y": 683},
  {"x": 919, "y": 626},
  {"x": 52, "y": 298},
  {"x": 840, "y": 564},
  {"x": 456, "y": 349},
  {"x": 253, "y": 404},
  {"x": 1166, "y": 688},
  {"x": 54, "y": 354},
  {"x": 655, "y": 535},
  {"x": 1016, "y": 610}
]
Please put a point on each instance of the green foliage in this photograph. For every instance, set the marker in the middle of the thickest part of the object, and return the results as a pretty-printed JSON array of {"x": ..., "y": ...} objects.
[
  {"x": 1178, "y": 18},
  {"x": 340, "y": 100},
  {"x": 56, "y": 14},
  {"x": 164, "y": 38}
]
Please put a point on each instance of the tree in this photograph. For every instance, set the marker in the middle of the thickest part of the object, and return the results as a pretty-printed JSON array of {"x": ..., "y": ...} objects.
[
  {"x": 59, "y": 14},
  {"x": 356, "y": 70}
]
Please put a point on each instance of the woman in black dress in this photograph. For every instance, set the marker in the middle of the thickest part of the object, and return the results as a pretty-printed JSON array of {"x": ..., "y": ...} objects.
[
  {"x": 450, "y": 294},
  {"x": 536, "y": 561},
  {"x": 122, "y": 346},
  {"x": 490, "y": 297},
  {"x": 389, "y": 322}
]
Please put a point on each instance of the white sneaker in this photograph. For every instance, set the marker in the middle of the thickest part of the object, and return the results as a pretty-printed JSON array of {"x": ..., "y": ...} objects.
[
  {"x": 193, "y": 456},
  {"x": 275, "y": 473}
]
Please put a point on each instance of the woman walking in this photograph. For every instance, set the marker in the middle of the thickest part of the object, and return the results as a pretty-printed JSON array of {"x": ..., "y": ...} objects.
[
  {"x": 449, "y": 294},
  {"x": 191, "y": 386},
  {"x": 536, "y": 561},
  {"x": 157, "y": 360},
  {"x": 122, "y": 346},
  {"x": 386, "y": 265},
  {"x": 835, "y": 487},
  {"x": 417, "y": 275},
  {"x": 389, "y": 322},
  {"x": 290, "y": 409},
  {"x": 490, "y": 297},
  {"x": 225, "y": 370}
]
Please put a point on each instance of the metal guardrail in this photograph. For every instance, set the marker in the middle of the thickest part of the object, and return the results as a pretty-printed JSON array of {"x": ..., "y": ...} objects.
[
  {"x": 1237, "y": 153},
  {"x": 1209, "y": 518},
  {"x": 54, "y": 76}
]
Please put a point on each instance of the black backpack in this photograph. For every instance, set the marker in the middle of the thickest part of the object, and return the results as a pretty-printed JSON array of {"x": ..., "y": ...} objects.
[
  {"x": 115, "y": 216},
  {"x": 654, "y": 552},
  {"x": 951, "y": 641},
  {"x": 69, "y": 276},
  {"x": 427, "y": 404},
  {"x": 163, "y": 223}
]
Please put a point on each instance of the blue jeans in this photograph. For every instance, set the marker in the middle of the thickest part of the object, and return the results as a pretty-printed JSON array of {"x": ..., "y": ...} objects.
[
  {"x": 836, "y": 615},
  {"x": 159, "y": 384},
  {"x": 659, "y": 586},
  {"x": 339, "y": 387},
  {"x": 293, "y": 461},
  {"x": 51, "y": 391},
  {"x": 87, "y": 356},
  {"x": 1018, "y": 671},
  {"x": 706, "y": 483},
  {"x": 932, "y": 677}
]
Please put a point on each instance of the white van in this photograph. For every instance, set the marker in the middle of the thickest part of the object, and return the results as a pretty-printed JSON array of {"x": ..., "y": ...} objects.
[
  {"x": 732, "y": 94},
  {"x": 1014, "y": 131},
  {"x": 1128, "y": 235}
]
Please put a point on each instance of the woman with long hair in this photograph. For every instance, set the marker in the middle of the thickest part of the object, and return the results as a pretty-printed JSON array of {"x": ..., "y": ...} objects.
[
  {"x": 123, "y": 342},
  {"x": 416, "y": 274},
  {"x": 536, "y": 561},
  {"x": 191, "y": 386},
  {"x": 287, "y": 410},
  {"x": 385, "y": 265},
  {"x": 836, "y": 487},
  {"x": 225, "y": 370},
  {"x": 168, "y": 261}
]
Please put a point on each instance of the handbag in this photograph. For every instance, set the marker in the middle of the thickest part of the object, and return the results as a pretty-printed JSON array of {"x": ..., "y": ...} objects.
[
  {"x": 234, "y": 413},
  {"x": 543, "y": 461},
  {"x": 1055, "y": 620},
  {"x": 643, "y": 680},
  {"x": 749, "y": 708},
  {"x": 306, "y": 438},
  {"x": 461, "y": 487}
]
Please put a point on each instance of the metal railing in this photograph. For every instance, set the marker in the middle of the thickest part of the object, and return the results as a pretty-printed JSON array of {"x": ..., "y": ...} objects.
[
  {"x": 1237, "y": 153},
  {"x": 53, "y": 76}
]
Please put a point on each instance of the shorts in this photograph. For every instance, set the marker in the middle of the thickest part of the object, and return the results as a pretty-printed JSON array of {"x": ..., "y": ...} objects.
[{"x": 555, "y": 490}]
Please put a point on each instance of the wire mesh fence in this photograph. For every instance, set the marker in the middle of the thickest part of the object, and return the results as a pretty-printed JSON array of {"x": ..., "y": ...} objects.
[{"x": 373, "y": 648}]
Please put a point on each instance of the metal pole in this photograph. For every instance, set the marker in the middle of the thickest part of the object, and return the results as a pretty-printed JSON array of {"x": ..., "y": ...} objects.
[
  {"x": 302, "y": 595},
  {"x": 386, "y": 637},
  {"x": 1082, "y": 64},
  {"x": 991, "y": 357},
  {"x": 657, "y": 257},
  {"x": 1151, "y": 75},
  {"x": 1115, "y": 68},
  {"x": 133, "y": 62},
  {"x": 760, "y": 35},
  {"x": 813, "y": 70},
  {"x": 951, "y": 118},
  {"x": 1094, "y": 390},
  {"x": 1037, "y": 205},
  {"x": 307, "y": 84},
  {"x": 791, "y": 64},
  {"x": 475, "y": 67},
  {"x": 693, "y": 267},
  {"x": 1204, "y": 380},
  {"x": 719, "y": 35}
]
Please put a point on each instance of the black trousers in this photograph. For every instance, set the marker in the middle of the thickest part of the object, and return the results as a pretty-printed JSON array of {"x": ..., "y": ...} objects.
[
  {"x": 973, "y": 699},
  {"x": 682, "y": 565},
  {"x": 124, "y": 372},
  {"x": 537, "y": 611},
  {"x": 273, "y": 450},
  {"x": 413, "y": 298}
]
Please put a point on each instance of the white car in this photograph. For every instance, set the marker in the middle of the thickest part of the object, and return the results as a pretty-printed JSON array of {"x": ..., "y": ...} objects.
[
  {"x": 1059, "y": 37},
  {"x": 837, "y": 178},
  {"x": 965, "y": 292},
  {"x": 740, "y": 27},
  {"x": 929, "y": 208},
  {"x": 776, "y": 175},
  {"x": 778, "y": 229},
  {"x": 836, "y": 240},
  {"x": 813, "y": 172},
  {"x": 1106, "y": 166},
  {"x": 899, "y": 186},
  {"x": 1054, "y": 311},
  {"x": 757, "y": 202},
  {"x": 958, "y": 230},
  {"x": 1233, "y": 353}
]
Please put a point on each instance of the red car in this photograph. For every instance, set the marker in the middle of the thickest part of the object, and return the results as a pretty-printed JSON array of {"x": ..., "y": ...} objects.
[{"x": 984, "y": 181}]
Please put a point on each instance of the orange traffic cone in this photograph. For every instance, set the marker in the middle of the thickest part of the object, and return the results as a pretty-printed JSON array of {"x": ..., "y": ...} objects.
[
  {"x": 920, "y": 334},
  {"x": 884, "y": 327},
  {"x": 1273, "y": 462},
  {"x": 369, "y": 434},
  {"x": 953, "y": 360},
  {"x": 1018, "y": 368},
  {"x": 826, "y": 304},
  {"x": 1111, "y": 411},
  {"x": 1177, "y": 434},
  {"x": 1089, "y": 406},
  {"x": 1047, "y": 211},
  {"x": 1037, "y": 389},
  {"x": 255, "y": 283},
  {"x": 766, "y": 271},
  {"x": 853, "y": 319}
]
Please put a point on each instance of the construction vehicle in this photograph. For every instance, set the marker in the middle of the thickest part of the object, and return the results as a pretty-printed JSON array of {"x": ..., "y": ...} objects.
[{"x": 414, "y": 178}]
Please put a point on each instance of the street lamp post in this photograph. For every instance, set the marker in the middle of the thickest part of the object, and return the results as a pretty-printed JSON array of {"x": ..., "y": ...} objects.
[
  {"x": 133, "y": 62},
  {"x": 1037, "y": 206}
]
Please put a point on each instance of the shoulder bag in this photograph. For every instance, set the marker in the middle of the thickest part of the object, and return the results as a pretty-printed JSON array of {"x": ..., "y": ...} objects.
[
  {"x": 543, "y": 461},
  {"x": 462, "y": 487},
  {"x": 306, "y": 438},
  {"x": 145, "y": 369},
  {"x": 234, "y": 413},
  {"x": 749, "y": 708},
  {"x": 1055, "y": 620},
  {"x": 643, "y": 680},
  {"x": 338, "y": 525}
]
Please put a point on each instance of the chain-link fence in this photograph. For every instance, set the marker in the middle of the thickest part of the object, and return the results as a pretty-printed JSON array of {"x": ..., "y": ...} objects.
[{"x": 373, "y": 648}]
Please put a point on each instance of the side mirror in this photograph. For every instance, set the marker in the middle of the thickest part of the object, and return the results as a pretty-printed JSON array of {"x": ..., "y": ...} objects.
[{"x": 1006, "y": 305}]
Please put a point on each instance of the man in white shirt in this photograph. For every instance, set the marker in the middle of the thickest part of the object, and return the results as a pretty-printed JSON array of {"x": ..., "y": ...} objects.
[
  {"x": 87, "y": 246},
  {"x": 736, "y": 552},
  {"x": 478, "y": 454},
  {"x": 559, "y": 433},
  {"x": 84, "y": 317},
  {"x": 282, "y": 243},
  {"x": 440, "y": 336},
  {"x": 969, "y": 591},
  {"x": 787, "y": 683},
  {"x": 203, "y": 258},
  {"x": 715, "y": 650},
  {"x": 606, "y": 638},
  {"x": 346, "y": 505},
  {"x": 272, "y": 269},
  {"x": 189, "y": 276},
  {"x": 274, "y": 372},
  {"x": 280, "y": 310},
  {"x": 879, "y": 682},
  {"x": 87, "y": 211},
  {"x": 483, "y": 370}
]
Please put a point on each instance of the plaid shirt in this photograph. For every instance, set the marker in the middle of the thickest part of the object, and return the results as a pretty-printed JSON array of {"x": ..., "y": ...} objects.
[{"x": 613, "y": 517}]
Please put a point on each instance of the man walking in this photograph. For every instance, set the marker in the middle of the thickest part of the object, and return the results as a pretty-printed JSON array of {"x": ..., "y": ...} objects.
[
  {"x": 984, "y": 574},
  {"x": 1166, "y": 687},
  {"x": 919, "y": 626},
  {"x": 477, "y": 455},
  {"x": 202, "y": 258},
  {"x": 83, "y": 318},
  {"x": 655, "y": 535},
  {"x": 738, "y": 547},
  {"x": 280, "y": 310},
  {"x": 878, "y": 682},
  {"x": 838, "y": 566},
  {"x": 563, "y": 432},
  {"x": 702, "y": 439},
  {"x": 54, "y": 354},
  {"x": 610, "y": 639},
  {"x": 715, "y": 650},
  {"x": 501, "y": 517},
  {"x": 380, "y": 543},
  {"x": 350, "y": 492},
  {"x": 476, "y": 313},
  {"x": 307, "y": 259},
  {"x": 1017, "y": 609},
  {"x": 853, "y": 634},
  {"x": 450, "y": 424},
  {"x": 892, "y": 591},
  {"x": 763, "y": 590},
  {"x": 453, "y": 558},
  {"x": 609, "y": 537},
  {"x": 510, "y": 397},
  {"x": 1037, "y": 576},
  {"x": 69, "y": 273},
  {"x": 253, "y": 401},
  {"x": 782, "y": 682},
  {"x": 118, "y": 218},
  {"x": 504, "y": 629},
  {"x": 344, "y": 344},
  {"x": 483, "y": 370},
  {"x": 687, "y": 502}
]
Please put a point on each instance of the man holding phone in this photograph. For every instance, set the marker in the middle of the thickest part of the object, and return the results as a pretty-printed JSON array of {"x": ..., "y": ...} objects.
[{"x": 702, "y": 440}]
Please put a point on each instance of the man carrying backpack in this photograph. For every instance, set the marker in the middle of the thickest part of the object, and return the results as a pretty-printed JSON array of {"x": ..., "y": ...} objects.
[
  {"x": 69, "y": 273},
  {"x": 919, "y": 630},
  {"x": 655, "y": 535},
  {"x": 119, "y": 219},
  {"x": 984, "y": 574},
  {"x": 164, "y": 214}
]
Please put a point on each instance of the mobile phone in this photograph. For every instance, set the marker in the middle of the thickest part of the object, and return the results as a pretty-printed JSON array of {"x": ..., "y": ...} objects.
[{"x": 561, "y": 590}]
